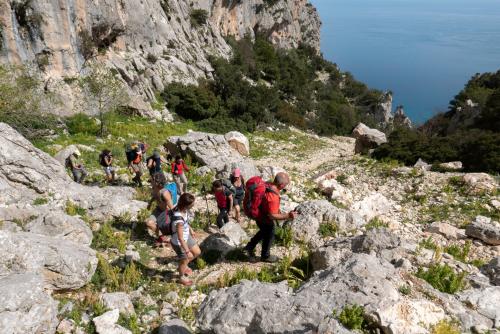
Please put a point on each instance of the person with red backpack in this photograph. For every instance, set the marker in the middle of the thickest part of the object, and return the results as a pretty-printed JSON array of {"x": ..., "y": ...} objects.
[
  {"x": 262, "y": 203},
  {"x": 178, "y": 168}
]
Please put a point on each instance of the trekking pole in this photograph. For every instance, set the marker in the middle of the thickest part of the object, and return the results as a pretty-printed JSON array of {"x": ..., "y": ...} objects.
[{"x": 204, "y": 191}]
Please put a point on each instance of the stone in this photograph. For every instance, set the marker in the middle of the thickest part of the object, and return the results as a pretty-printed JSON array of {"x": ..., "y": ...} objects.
[
  {"x": 492, "y": 269},
  {"x": 362, "y": 279},
  {"x": 63, "y": 264},
  {"x": 231, "y": 236},
  {"x": 106, "y": 323},
  {"x": 446, "y": 230},
  {"x": 239, "y": 142},
  {"x": 66, "y": 326},
  {"x": 64, "y": 153},
  {"x": 269, "y": 172},
  {"x": 167, "y": 309},
  {"x": 214, "y": 151},
  {"x": 485, "y": 301},
  {"x": 234, "y": 232},
  {"x": 451, "y": 166},
  {"x": 483, "y": 228},
  {"x": 329, "y": 186},
  {"x": 372, "y": 206},
  {"x": 421, "y": 164},
  {"x": 25, "y": 306},
  {"x": 174, "y": 326},
  {"x": 367, "y": 138},
  {"x": 478, "y": 183},
  {"x": 312, "y": 214},
  {"x": 120, "y": 301},
  {"x": 131, "y": 255}
]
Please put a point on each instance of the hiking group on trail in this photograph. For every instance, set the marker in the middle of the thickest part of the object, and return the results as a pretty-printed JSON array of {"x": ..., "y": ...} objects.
[{"x": 170, "y": 219}]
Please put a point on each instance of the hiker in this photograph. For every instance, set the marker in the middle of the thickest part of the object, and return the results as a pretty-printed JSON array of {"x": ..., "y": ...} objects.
[
  {"x": 153, "y": 163},
  {"x": 263, "y": 204},
  {"x": 224, "y": 198},
  {"x": 182, "y": 240},
  {"x": 178, "y": 168},
  {"x": 134, "y": 157},
  {"x": 77, "y": 169},
  {"x": 106, "y": 161},
  {"x": 165, "y": 196},
  {"x": 238, "y": 184}
]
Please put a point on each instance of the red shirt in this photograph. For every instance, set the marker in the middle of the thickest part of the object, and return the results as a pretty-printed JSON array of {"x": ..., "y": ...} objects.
[
  {"x": 271, "y": 202},
  {"x": 221, "y": 198},
  {"x": 178, "y": 168}
]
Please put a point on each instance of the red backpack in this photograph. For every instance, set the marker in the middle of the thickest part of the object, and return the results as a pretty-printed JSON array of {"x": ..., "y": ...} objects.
[{"x": 256, "y": 189}]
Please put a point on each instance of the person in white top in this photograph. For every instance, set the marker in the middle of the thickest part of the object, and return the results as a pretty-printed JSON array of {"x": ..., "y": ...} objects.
[{"x": 182, "y": 240}]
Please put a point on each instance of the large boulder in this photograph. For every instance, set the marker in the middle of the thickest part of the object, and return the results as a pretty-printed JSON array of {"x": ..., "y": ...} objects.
[
  {"x": 120, "y": 301},
  {"x": 451, "y": 166},
  {"x": 372, "y": 206},
  {"x": 314, "y": 213},
  {"x": 274, "y": 308},
  {"x": 231, "y": 236},
  {"x": 27, "y": 173},
  {"x": 367, "y": 138},
  {"x": 107, "y": 323},
  {"x": 239, "y": 142},
  {"x": 63, "y": 264},
  {"x": 483, "y": 228},
  {"x": 25, "y": 307},
  {"x": 174, "y": 326},
  {"x": 485, "y": 301},
  {"x": 478, "y": 183},
  {"x": 492, "y": 269},
  {"x": 214, "y": 151}
]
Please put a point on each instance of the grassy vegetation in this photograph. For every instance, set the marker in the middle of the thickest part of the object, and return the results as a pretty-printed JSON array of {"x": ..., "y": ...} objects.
[
  {"x": 40, "y": 201},
  {"x": 284, "y": 236},
  {"x": 458, "y": 251},
  {"x": 445, "y": 327},
  {"x": 114, "y": 278},
  {"x": 353, "y": 317},
  {"x": 443, "y": 278},
  {"x": 328, "y": 229},
  {"x": 428, "y": 244},
  {"x": 74, "y": 210},
  {"x": 107, "y": 237},
  {"x": 375, "y": 223}
]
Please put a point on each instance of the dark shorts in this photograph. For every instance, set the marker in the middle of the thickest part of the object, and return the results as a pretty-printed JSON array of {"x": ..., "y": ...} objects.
[
  {"x": 238, "y": 201},
  {"x": 181, "y": 255}
]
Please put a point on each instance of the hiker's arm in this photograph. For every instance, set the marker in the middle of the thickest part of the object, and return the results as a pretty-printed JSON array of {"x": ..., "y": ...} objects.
[
  {"x": 168, "y": 199},
  {"x": 231, "y": 201},
  {"x": 173, "y": 167},
  {"x": 192, "y": 232},
  {"x": 180, "y": 235},
  {"x": 185, "y": 166},
  {"x": 282, "y": 216}
]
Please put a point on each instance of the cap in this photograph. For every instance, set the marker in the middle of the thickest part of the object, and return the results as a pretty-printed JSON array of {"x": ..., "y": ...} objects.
[{"x": 237, "y": 172}]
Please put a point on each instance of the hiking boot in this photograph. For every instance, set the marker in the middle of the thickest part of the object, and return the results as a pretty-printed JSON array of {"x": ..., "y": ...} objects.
[
  {"x": 270, "y": 259},
  {"x": 250, "y": 254}
]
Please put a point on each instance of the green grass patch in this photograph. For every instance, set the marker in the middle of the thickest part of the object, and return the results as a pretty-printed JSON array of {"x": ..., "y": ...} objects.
[
  {"x": 443, "y": 278},
  {"x": 375, "y": 223},
  {"x": 40, "y": 201},
  {"x": 428, "y": 244},
  {"x": 353, "y": 317},
  {"x": 458, "y": 251},
  {"x": 328, "y": 229},
  {"x": 114, "y": 278},
  {"x": 284, "y": 236},
  {"x": 445, "y": 327},
  {"x": 108, "y": 237},
  {"x": 73, "y": 209}
]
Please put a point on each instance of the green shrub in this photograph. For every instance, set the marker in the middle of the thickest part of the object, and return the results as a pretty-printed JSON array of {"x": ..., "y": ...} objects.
[
  {"x": 40, "y": 201},
  {"x": 74, "y": 210},
  {"x": 107, "y": 237},
  {"x": 131, "y": 323},
  {"x": 328, "y": 229},
  {"x": 405, "y": 290},
  {"x": 375, "y": 223},
  {"x": 428, "y": 244},
  {"x": 445, "y": 327},
  {"x": 353, "y": 317},
  {"x": 459, "y": 252},
  {"x": 443, "y": 278},
  {"x": 198, "y": 17},
  {"x": 284, "y": 236}
]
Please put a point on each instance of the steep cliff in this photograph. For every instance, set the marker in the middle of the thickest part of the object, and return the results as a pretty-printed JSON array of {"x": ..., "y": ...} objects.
[{"x": 149, "y": 43}]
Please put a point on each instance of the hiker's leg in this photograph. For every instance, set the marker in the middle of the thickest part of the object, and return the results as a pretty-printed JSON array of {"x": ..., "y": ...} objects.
[
  {"x": 184, "y": 182},
  {"x": 177, "y": 181},
  {"x": 84, "y": 174},
  {"x": 76, "y": 176},
  {"x": 255, "y": 240},
  {"x": 220, "y": 218},
  {"x": 196, "y": 251},
  {"x": 267, "y": 240},
  {"x": 237, "y": 212},
  {"x": 226, "y": 216},
  {"x": 183, "y": 264}
]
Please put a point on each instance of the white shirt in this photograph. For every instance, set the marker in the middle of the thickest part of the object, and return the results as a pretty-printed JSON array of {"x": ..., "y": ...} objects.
[{"x": 180, "y": 218}]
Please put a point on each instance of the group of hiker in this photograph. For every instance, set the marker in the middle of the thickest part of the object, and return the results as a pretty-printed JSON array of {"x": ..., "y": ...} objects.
[{"x": 170, "y": 219}]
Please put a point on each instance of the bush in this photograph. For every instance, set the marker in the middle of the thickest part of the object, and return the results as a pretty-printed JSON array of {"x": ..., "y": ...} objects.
[
  {"x": 328, "y": 229},
  {"x": 445, "y": 327},
  {"x": 443, "y": 278},
  {"x": 353, "y": 317},
  {"x": 375, "y": 223},
  {"x": 81, "y": 123},
  {"x": 284, "y": 236},
  {"x": 459, "y": 252},
  {"x": 198, "y": 17}
]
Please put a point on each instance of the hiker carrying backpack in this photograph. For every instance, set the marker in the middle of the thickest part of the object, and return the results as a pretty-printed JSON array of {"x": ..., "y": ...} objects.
[
  {"x": 256, "y": 189},
  {"x": 224, "y": 198}
]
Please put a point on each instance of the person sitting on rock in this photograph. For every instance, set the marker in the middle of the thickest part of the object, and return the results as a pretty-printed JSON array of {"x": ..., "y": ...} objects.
[
  {"x": 224, "y": 198},
  {"x": 269, "y": 212},
  {"x": 165, "y": 201},
  {"x": 77, "y": 169},
  {"x": 178, "y": 168},
  {"x": 238, "y": 184},
  {"x": 182, "y": 240},
  {"x": 106, "y": 161}
]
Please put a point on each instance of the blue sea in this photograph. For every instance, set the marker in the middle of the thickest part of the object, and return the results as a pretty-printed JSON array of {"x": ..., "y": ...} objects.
[{"x": 424, "y": 51}]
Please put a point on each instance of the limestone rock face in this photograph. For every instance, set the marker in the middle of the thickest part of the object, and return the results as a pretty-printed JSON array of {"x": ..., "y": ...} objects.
[
  {"x": 149, "y": 43},
  {"x": 273, "y": 308},
  {"x": 63, "y": 264},
  {"x": 25, "y": 307},
  {"x": 367, "y": 138},
  {"x": 213, "y": 151},
  {"x": 373, "y": 206},
  {"x": 485, "y": 229},
  {"x": 485, "y": 301},
  {"x": 493, "y": 270},
  {"x": 239, "y": 142}
]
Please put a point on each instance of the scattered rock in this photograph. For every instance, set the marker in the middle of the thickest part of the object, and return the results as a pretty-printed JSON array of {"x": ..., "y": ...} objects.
[
  {"x": 446, "y": 230},
  {"x": 492, "y": 269},
  {"x": 421, "y": 164},
  {"x": 239, "y": 142},
  {"x": 367, "y": 138},
  {"x": 120, "y": 301},
  {"x": 25, "y": 306},
  {"x": 66, "y": 326},
  {"x": 174, "y": 326},
  {"x": 483, "y": 228},
  {"x": 231, "y": 236},
  {"x": 106, "y": 323},
  {"x": 329, "y": 186},
  {"x": 131, "y": 255},
  {"x": 451, "y": 166},
  {"x": 63, "y": 264},
  {"x": 480, "y": 183},
  {"x": 373, "y": 206}
]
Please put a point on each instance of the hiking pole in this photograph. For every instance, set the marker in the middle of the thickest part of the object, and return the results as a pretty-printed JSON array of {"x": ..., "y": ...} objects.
[{"x": 204, "y": 191}]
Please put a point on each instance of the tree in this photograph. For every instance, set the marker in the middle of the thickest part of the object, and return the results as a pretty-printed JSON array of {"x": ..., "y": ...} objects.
[{"x": 102, "y": 93}]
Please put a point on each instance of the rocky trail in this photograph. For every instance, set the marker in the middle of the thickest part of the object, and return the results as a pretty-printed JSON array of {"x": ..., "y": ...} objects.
[{"x": 376, "y": 248}]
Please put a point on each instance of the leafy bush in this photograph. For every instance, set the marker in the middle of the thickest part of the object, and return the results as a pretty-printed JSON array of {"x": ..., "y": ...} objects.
[
  {"x": 443, "y": 278},
  {"x": 73, "y": 209},
  {"x": 445, "y": 327},
  {"x": 198, "y": 17},
  {"x": 428, "y": 244},
  {"x": 353, "y": 317},
  {"x": 40, "y": 201},
  {"x": 459, "y": 252},
  {"x": 107, "y": 237},
  {"x": 81, "y": 123},
  {"x": 284, "y": 236},
  {"x": 375, "y": 223},
  {"x": 328, "y": 229}
]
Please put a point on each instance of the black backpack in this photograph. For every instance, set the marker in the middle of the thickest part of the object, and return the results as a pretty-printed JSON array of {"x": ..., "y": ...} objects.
[
  {"x": 228, "y": 186},
  {"x": 131, "y": 155},
  {"x": 168, "y": 227},
  {"x": 102, "y": 161}
]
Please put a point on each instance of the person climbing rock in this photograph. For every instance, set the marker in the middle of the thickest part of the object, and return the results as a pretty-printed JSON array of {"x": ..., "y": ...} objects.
[
  {"x": 238, "y": 184},
  {"x": 178, "y": 168},
  {"x": 165, "y": 196},
  {"x": 77, "y": 169},
  {"x": 265, "y": 211},
  {"x": 106, "y": 161},
  {"x": 224, "y": 198},
  {"x": 182, "y": 240}
]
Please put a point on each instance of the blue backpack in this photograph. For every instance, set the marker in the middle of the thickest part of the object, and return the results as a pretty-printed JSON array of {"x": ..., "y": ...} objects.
[{"x": 172, "y": 189}]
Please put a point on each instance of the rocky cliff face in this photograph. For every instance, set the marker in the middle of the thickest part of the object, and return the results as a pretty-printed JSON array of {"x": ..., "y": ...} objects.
[{"x": 149, "y": 43}]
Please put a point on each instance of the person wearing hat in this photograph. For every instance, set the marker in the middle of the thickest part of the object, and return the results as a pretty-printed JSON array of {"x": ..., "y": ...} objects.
[
  {"x": 239, "y": 192},
  {"x": 77, "y": 169}
]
